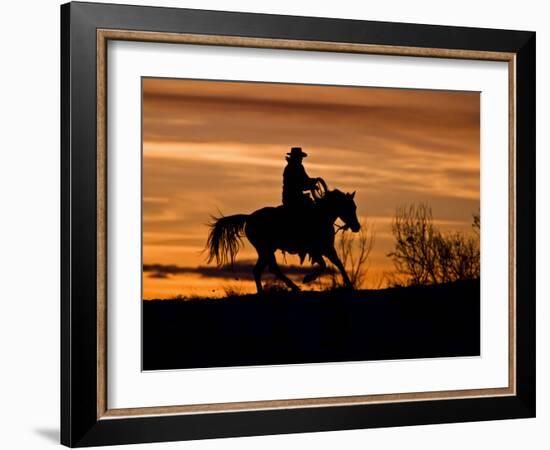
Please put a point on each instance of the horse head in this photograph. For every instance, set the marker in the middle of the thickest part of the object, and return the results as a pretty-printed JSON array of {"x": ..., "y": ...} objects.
[{"x": 343, "y": 206}]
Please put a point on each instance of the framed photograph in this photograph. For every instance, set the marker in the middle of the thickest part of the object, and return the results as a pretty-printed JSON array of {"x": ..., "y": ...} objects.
[{"x": 276, "y": 224}]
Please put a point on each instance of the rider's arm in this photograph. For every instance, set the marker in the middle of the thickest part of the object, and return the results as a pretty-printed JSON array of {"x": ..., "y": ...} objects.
[{"x": 308, "y": 183}]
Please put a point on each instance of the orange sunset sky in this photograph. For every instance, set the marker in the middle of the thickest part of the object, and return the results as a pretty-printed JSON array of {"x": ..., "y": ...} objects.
[{"x": 211, "y": 147}]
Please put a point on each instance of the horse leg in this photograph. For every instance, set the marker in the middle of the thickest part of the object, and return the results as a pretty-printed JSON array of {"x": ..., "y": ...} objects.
[
  {"x": 257, "y": 271},
  {"x": 276, "y": 270},
  {"x": 317, "y": 271},
  {"x": 334, "y": 259}
]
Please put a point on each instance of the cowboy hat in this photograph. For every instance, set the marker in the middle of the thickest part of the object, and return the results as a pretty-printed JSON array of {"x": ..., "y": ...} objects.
[{"x": 297, "y": 151}]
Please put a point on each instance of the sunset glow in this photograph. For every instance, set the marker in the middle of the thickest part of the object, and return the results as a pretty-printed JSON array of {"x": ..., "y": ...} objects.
[{"x": 213, "y": 147}]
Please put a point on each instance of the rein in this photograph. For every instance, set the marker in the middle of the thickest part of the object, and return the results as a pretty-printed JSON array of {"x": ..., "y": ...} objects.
[{"x": 341, "y": 228}]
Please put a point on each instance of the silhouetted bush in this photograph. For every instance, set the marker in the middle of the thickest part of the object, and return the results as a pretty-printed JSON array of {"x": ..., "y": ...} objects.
[
  {"x": 424, "y": 255},
  {"x": 354, "y": 250}
]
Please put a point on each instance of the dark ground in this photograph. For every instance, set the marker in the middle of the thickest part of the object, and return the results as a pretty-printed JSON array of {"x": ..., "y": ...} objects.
[{"x": 312, "y": 327}]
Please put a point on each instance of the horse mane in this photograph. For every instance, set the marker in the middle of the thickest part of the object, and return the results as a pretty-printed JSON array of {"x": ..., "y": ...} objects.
[
  {"x": 329, "y": 201},
  {"x": 331, "y": 195}
]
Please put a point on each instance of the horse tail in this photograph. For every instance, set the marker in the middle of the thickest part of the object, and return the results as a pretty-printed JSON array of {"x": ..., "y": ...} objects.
[{"x": 225, "y": 238}]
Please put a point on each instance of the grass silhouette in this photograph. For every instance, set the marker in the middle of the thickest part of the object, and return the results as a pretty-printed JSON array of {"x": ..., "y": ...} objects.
[{"x": 281, "y": 327}]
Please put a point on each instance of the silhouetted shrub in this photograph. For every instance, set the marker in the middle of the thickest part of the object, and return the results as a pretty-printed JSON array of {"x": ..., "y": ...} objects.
[
  {"x": 424, "y": 255},
  {"x": 354, "y": 250}
]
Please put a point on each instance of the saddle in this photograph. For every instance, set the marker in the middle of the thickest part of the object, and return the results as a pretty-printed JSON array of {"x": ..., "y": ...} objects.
[{"x": 298, "y": 220}]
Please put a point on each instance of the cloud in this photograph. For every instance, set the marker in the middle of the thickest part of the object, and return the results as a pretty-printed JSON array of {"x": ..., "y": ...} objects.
[
  {"x": 212, "y": 147},
  {"x": 240, "y": 270}
]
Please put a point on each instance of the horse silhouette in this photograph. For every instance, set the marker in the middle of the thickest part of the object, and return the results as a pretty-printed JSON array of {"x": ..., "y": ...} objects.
[{"x": 308, "y": 232}]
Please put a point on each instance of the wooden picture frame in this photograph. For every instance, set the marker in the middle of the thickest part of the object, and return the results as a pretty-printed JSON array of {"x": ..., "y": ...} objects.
[{"x": 86, "y": 418}]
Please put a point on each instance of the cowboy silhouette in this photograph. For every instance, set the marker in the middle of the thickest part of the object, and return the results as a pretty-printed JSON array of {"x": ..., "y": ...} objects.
[
  {"x": 296, "y": 181},
  {"x": 303, "y": 225}
]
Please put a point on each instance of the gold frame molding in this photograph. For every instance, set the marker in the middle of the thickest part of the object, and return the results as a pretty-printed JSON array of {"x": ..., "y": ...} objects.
[{"x": 103, "y": 36}]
